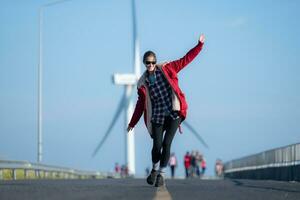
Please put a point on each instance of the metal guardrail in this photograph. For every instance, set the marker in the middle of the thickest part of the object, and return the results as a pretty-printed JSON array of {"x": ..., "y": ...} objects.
[
  {"x": 13, "y": 170},
  {"x": 279, "y": 157}
]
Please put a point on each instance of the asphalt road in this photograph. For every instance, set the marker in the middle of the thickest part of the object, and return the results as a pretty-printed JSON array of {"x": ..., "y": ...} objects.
[{"x": 139, "y": 190}]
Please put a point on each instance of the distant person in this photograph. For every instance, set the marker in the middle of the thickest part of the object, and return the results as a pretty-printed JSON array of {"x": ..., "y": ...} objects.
[
  {"x": 123, "y": 171},
  {"x": 117, "y": 168},
  {"x": 203, "y": 166},
  {"x": 173, "y": 164},
  {"x": 164, "y": 107},
  {"x": 193, "y": 164},
  {"x": 187, "y": 164},
  {"x": 198, "y": 163},
  {"x": 126, "y": 171},
  {"x": 219, "y": 168}
]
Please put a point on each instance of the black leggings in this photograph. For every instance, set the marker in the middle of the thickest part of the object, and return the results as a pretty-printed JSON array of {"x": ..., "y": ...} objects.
[{"x": 164, "y": 143}]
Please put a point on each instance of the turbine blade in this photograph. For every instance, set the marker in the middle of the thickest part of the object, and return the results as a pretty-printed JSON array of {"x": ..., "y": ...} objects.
[
  {"x": 137, "y": 61},
  {"x": 136, "y": 46},
  {"x": 116, "y": 116},
  {"x": 195, "y": 133}
]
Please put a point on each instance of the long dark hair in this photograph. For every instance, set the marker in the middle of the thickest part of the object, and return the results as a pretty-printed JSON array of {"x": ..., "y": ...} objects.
[{"x": 147, "y": 54}]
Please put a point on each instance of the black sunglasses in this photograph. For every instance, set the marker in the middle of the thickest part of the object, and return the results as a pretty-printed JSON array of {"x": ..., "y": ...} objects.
[{"x": 150, "y": 62}]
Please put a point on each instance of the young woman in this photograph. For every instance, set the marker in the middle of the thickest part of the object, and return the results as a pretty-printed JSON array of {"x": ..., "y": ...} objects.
[{"x": 164, "y": 107}]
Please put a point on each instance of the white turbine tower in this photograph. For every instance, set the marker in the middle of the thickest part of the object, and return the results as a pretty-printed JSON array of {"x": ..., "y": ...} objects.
[{"x": 129, "y": 81}]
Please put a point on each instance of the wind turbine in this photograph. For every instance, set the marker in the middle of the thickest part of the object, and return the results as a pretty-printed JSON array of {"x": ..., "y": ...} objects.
[{"x": 129, "y": 81}]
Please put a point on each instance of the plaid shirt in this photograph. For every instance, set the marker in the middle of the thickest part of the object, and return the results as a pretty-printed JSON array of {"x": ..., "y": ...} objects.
[{"x": 161, "y": 98}]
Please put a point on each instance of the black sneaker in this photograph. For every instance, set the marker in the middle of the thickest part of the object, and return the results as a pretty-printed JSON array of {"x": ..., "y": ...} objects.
[
  {"x": 160, "y": 181},
  {"x": 151, "y": 177}
]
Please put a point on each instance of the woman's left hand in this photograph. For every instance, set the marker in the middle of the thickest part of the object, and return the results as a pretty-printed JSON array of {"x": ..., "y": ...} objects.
[{"x": 202, "y": 38}]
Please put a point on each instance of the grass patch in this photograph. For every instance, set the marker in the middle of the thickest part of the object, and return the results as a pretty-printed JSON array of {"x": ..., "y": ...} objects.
[{"x": 21, "y": 174}]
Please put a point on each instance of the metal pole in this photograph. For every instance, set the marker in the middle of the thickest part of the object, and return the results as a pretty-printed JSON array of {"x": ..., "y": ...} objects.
[
  {"x": 40, "y": 81},
  {"x": 40, "y": 72}
]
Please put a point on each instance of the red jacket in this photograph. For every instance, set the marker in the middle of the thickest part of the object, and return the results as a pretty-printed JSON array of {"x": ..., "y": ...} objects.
[
  {"x": 187, "y": 161},
  {"x": 170, "y": 70}
]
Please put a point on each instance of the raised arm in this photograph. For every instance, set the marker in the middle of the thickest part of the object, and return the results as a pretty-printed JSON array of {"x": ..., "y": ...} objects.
[
  {"x": 138, "y": 111},
  {"x": 179, "y": 64}
]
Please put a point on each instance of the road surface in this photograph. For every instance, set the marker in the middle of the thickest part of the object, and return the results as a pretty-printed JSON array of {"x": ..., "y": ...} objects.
[{"x": 137, "y": 189}]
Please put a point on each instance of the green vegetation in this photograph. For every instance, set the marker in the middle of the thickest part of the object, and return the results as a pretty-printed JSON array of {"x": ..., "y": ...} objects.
[{"x": 21, "y": 174}]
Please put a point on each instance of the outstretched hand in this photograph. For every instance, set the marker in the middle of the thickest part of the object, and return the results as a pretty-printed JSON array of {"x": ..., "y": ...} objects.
[
  {"x": 129, "y": 128},
  {"x": 202, "y": 38}
]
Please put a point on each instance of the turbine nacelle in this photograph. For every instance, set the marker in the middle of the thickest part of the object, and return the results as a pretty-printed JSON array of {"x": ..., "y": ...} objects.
[{"x": 125, "y": 79}]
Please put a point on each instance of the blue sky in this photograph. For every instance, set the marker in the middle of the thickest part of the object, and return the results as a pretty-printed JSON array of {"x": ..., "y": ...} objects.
[{"x": 243, "y": 88}]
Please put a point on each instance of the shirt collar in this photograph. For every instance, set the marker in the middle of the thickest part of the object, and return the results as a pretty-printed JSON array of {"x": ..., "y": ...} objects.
[{"x": 147, "y": 74}]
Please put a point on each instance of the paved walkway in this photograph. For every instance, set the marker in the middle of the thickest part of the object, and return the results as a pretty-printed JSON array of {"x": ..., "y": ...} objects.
[{"x": 139, "y": 190}]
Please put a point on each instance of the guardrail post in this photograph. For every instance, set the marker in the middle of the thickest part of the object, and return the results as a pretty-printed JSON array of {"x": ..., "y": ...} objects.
[
  {"x": 45, "y": 174},
  {"x": 14, "y": 172},
  {"x": 36, "y": 173},
  {"x": 25, "y": 173}
]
